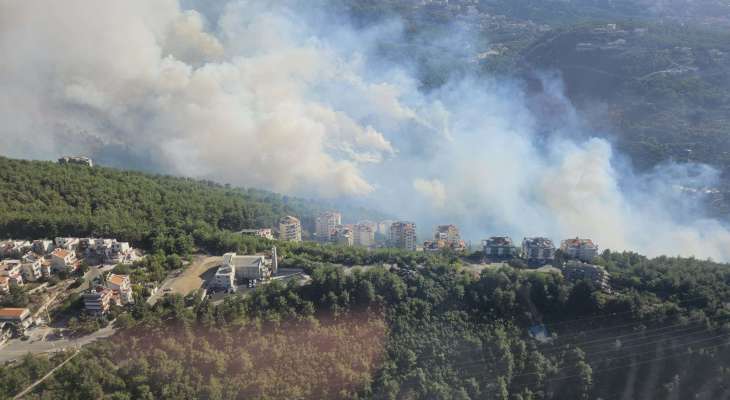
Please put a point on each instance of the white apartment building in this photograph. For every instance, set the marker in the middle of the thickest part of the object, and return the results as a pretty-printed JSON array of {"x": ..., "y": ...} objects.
[
  {"x": 325, "y": 225},
  {"x": 63, "y": 260},
  {"x": 290, "y": 229},
  {"x": 582, "y": 249}
]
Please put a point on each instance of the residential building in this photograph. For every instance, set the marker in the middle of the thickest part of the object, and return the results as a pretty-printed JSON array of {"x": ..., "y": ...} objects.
[
  {"x": 12, "y": 269},
  {"x": 252, "y": 267},
  {"x": 403, "y": 235},
  {"x": 582, "y": 249},
  {"x": 31, "y": 269},
  {"x": 576, "y": 271},
  {"x": 4, "y": 284},
  {"x": 364, "y": 234},
  {"x": 63, "y": 260},
  {"x": 20, "y": 318},
  {"x": 46, "y": 268},
  {"x": 290, "y": 229},
  {"x": 325, "y": 225},
  {"x": 446, "y": 237},
  {"x": 343, "y": 235},
  {"x": 68, "y": 243},
  {"x": 538, "y": 250},
  {"x": 98, "y": 300},
  {"x": 42, "y": 246},
  {"x": 447, "y": 232},
  {"x": 14, "y": 248},
  {"x": 384, "y": 227},
  {"x": 121, "y": 285},
  {"x": 76, "y": 160},
  {"x": 265, "y": 233},
  {"x": 499, "y": 248}
]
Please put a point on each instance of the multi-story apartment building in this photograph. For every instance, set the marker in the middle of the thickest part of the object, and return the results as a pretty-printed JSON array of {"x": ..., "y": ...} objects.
[
  {"x": 12, "y": 269},
  {"x": 364, "y": 234},
  {"x": 575, "y": 271},
  {"x": 290, "y": 229},
  {"x": 31, "y": 270},
  {"x": 98, "y": 300},
  {"x": 582, "y": 249},
  {"x": 446, "y": 237},
  {"x": 498, "y": 248},
  {"x": 122, "y": 286},
  {"x": 42, "y": 246},
  {"x": 403, "y": 235},
  {"x": 68, "y": 243},
  {"x": 63, "y": 260},
  {"x": 325, "y": 224},
  {"x": 384, "y": 227},
  {"x": 538, "y": 250}
]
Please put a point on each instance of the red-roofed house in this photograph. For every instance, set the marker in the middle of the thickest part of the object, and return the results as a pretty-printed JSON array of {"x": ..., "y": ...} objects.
[
  {"x": 63, "y": 260},
  {"x": 121, "y": 285}
]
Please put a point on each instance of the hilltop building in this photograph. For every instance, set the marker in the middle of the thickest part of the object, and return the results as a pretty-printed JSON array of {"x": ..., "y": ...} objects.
[
  {"x": 538, "y": 250},
  {"x": 498, "y": 248},
  {"x": 403, "y": 235},
  {"x": 582, "y": 249},
  {"x": 290, "y": 229},
  {"x": 240, "y": 268},
  {"x": 76, "y": 160},
  {"x": 265, "y": 233},
  {"x": 576, "y": 271},
  {"x": 325, "y": 224},
  {"x": 446, "y": 237}
]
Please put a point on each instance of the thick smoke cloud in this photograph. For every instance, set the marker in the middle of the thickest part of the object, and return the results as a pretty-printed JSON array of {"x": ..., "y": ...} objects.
[{"x": 268, "y": 95}]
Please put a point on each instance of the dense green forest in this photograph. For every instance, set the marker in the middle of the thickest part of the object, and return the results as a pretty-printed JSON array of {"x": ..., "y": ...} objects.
[
  {"x": 45, "y": 200},
  {"x": 438, "y": 330}
]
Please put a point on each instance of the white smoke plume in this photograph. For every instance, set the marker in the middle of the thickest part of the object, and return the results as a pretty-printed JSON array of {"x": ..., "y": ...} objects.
[{"x": 262, "y": 94}]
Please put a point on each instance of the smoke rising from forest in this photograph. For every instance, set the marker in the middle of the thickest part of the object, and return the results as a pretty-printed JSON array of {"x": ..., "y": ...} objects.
[{"x": 265, "y": 94}]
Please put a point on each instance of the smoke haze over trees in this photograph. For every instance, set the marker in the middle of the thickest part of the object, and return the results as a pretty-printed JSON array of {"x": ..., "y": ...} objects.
[{"x": 297, "y": 98}]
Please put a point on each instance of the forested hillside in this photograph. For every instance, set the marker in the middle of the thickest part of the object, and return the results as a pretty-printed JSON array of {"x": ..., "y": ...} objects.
[
  {"x": 45, "y": 200},
  {"x": 438, "y": 331}
]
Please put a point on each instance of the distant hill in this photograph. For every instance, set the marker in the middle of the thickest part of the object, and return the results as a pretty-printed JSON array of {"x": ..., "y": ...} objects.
[
  {"x": 666, "y": 87},
  {"x": 43, "y": 199}
]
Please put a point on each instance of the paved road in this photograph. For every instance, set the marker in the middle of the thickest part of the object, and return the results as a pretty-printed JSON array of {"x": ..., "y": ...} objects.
[{"x": 39, "y": 343}]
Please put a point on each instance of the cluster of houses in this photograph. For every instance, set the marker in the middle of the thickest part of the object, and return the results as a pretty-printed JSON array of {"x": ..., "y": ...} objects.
[
  {"x": 26, "y": 261},
  {"x": 114, "y": 290},
  {"x": 538, "y": 251}
]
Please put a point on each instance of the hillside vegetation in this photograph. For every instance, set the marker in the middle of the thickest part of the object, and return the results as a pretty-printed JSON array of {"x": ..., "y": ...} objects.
[{"x": 45, "y": 200}]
